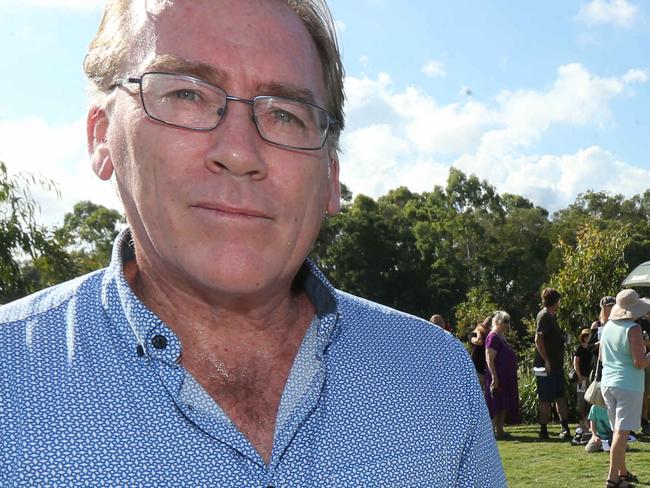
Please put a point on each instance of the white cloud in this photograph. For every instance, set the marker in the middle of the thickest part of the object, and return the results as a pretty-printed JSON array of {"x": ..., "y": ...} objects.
[
  {"x": 434, "y": 69},
  {"x": 363, "y": 61},
  {"x": 57, "y": 152},
  {"x": 577, "y": 97},
  {"x": 407, "y": 138},
  {"x": 618, "y": 12},
  {"x": 371, "y": 154},
  {"x": 556, "y": 180},
  {"x": 340, "y": 26},
  {"x": 636, "y": 75}
]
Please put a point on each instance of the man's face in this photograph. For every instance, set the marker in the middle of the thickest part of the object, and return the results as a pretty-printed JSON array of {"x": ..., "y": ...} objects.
[{"x": 224, "y": 211}]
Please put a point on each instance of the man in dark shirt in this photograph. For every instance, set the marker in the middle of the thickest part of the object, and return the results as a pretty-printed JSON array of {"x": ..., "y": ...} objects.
[{"x": 549, "y": 355}]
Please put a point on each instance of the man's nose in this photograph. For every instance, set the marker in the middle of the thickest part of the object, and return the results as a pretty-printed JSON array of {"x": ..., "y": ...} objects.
[{"x": 236, "y": 145}]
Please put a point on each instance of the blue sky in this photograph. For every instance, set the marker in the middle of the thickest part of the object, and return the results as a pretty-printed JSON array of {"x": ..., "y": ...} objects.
[{"x": 544, "y": 99}]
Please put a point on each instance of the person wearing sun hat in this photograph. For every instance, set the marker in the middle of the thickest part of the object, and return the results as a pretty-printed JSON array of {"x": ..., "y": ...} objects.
[{"x": 622, "y": 353}]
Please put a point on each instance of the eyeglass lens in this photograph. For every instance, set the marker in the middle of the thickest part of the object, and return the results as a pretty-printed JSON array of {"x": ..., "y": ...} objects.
[{"x": 188, "y": 102}]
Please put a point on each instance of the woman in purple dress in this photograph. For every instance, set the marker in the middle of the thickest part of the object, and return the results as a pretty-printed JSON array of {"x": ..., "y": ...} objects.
[{"x": 501, "y": 388}]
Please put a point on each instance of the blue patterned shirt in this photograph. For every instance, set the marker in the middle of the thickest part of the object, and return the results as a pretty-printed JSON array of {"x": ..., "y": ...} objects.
[{"x": 92, "y": 394}]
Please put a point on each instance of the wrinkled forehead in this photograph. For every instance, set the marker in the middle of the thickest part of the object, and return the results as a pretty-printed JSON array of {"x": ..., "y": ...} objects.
[
  {"x": 253, "y": 38},
  {"x": 202, "y": 30}
]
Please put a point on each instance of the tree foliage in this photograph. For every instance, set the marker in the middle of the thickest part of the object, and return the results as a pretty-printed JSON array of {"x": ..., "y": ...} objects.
[
  {"x": 594, "y": 267},
  {"x": 21, "y": 237},
  {"x": 33, "y": 256},
  {"x": 88, "y": 233},
  {"x": 476, "y": 308},
  {"x": 463, "y": 249}
]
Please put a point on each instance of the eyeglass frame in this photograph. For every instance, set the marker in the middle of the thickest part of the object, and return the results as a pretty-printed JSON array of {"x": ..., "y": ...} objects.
[{"x": 331, "y": 120}]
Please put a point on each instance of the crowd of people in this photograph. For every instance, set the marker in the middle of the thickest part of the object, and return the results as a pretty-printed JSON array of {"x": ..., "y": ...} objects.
[{"x": 613, "y": 353}]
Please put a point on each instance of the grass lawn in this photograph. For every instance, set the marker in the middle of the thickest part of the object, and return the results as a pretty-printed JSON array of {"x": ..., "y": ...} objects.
[{"x": 529, "y": 462}]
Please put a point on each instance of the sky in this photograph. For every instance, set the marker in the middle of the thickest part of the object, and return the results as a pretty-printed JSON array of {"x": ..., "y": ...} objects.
[{"x": 542, "y": 99}]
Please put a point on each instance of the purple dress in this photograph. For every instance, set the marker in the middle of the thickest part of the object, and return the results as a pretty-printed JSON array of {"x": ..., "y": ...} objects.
[{"x": 507, "y": 397}]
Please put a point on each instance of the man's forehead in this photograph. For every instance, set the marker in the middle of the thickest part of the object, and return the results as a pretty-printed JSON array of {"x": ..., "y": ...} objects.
[
  {"x": 184, "y": 36},
  {"x": 212, "y": 74}
]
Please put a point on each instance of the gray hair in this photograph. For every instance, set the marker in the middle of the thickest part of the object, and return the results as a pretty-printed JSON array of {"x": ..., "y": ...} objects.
[
  {"x": 499, "y": 316},
  {"x": 123, "y": 26}
]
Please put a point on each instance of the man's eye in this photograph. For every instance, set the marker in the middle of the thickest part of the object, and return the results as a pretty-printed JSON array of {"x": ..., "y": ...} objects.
[
  {"x": 286, "y": 117},
  {"x": 283, "y": 116},
  {"x": 185, "y": 95}
]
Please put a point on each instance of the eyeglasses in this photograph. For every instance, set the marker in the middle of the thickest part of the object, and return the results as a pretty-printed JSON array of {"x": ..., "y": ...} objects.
[{"x": 191, "y": 103}]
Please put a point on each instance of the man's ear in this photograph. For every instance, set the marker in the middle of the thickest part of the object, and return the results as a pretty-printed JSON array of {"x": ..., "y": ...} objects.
[
  {"x": 334, "y": 201},
  {"x": 96, "y": 133}
]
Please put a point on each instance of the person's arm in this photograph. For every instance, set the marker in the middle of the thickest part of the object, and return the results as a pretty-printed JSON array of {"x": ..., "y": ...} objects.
[
  {"x": 637, "y": 348},
  {"x": 541, "y": 348},
  {"x": 490, "y": 358},
  {"x": 593, "y": 336},
  {"x": 576, "y": 367},
  {"x": 477, "y": 339},
  {"x": 592, "y": 428}
]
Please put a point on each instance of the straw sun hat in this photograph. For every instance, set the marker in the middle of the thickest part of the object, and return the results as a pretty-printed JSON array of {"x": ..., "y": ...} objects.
[{"x": 629, "y": 306}]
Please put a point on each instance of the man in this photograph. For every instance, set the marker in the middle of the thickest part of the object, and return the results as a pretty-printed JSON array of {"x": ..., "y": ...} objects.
[
  {"x": 211, "y": 352},
  {"x": 549, "y": 356}
]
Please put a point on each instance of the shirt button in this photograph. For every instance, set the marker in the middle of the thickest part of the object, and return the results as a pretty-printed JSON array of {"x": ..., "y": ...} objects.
[{"x": 159, "y": 341}]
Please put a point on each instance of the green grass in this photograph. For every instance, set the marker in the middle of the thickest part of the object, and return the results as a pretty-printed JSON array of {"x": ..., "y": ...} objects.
[{"x": 529, "y": 462}]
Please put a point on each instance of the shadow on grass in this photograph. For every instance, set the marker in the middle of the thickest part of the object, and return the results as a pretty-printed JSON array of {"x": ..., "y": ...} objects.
[{"x": 528, "y": 434}]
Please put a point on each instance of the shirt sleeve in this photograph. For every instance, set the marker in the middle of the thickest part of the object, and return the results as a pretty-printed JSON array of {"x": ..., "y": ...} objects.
[
  {"x": 544, "y": 324},
  {"x": 493, "y": 342}
]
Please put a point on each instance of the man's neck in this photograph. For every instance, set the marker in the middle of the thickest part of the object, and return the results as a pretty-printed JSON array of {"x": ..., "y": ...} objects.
[
  {"x": 551, "y": 309},
  {"x": 191, "y": 314}
]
